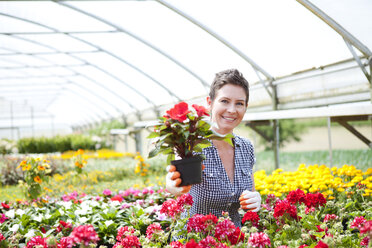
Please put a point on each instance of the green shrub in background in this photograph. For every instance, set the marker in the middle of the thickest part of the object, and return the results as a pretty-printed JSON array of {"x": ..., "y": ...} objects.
[
  {"x": 289, "y": 130},
  {"x": 59, "y": 144}
]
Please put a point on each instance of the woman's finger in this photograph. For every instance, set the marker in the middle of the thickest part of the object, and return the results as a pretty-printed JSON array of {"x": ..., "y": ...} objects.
[{"x": 175, "y": 175}]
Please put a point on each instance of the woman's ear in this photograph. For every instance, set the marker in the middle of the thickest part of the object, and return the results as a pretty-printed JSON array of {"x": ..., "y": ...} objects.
[{"x": 209, "y": 102}]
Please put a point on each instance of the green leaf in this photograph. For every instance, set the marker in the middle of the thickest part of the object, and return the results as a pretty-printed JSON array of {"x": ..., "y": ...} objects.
[{"x": 153, "y": 135}]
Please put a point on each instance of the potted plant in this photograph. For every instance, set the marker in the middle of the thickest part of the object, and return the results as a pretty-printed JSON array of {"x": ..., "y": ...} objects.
[{"x": 184, "y": 132}]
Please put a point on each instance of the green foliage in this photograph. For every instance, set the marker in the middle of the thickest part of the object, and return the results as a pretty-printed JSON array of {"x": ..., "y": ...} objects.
[
  {"x": 289, "y": 130},
  {"x": 58, "y": 144},
  {"x": 104, "y": 128}
]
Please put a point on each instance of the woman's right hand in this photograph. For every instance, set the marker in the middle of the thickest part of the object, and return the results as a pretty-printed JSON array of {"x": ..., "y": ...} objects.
[{"x": 173, "y": 180}]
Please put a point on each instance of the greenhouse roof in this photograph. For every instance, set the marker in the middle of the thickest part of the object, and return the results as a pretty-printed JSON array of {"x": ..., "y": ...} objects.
[{"x": 71, "y": 63}]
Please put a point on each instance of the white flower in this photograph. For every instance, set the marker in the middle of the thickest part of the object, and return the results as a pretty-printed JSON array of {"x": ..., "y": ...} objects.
[
  {"x": 37, "y": 218},
  {"x": 20, "y": 212},
  {"x": 14, "y": 228},
  {"x": 66, "y": 205},
  {"x": 83, "y": 219},
  {"x": 10, "y": 214},
  {"x": 30, "y": 233},
  {"x": 108, "y": 222}
]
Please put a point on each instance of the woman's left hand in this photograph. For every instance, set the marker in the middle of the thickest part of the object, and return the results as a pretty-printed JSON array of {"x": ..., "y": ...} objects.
[{"x": 250, "y": 200}]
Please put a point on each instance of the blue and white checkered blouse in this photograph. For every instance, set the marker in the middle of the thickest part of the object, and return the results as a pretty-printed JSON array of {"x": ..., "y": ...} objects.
[{"x": 216, "y": 193}]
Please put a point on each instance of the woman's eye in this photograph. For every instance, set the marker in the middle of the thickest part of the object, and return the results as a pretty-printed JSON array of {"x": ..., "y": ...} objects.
[
  {"x": 224, "y": 101},
  {"x": 240, "y": 103}
]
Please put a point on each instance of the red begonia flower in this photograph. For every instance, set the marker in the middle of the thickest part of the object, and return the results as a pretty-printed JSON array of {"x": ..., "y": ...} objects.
[
  {"x": 179, "y": 112},
  {"x": 200, "y": 110}
]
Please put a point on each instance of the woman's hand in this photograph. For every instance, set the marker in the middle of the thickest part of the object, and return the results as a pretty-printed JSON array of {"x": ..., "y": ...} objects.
[
  {"x": 250, "y": 200},
  {"x": 173, "y": 181}
]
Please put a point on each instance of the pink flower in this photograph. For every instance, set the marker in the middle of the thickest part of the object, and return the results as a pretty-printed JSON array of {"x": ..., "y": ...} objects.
[
  {"x": 309, "y": 210},
  {"x": 357, "y": 222},
  {"x": 176, "y": 244},
  {"x": 185, "y": 199},
  {"x": 329, "y": 217},
  {"x": 365, "y": 241},
  {"x": 303, "y": 246},
  {"x": 84, "y": 234},
  {"x": 224, "y": 229},
  {"x": 321, "y": 245},
  {"x": 252, "y": 217},
  {"x": 283, "y": 246},
  {"x": 367, "y": 228},
  {"x": 117, "y": 198},
  {"x": 209, "y": 241},
  {"x": 259, "y": 240},
  {"x": 37, "y": 241},
  {"x": 65, "y": 242},
  {"x": 130, "y": 241},
  {"x": 153, "y": 228},
  {"x": 123, "y": 232},
  {"x": 107, "y": 192},
  {"x": 171, "y": 208},
  {"x": 196, "y": 223},
  {"x": 3, "y": 218}
]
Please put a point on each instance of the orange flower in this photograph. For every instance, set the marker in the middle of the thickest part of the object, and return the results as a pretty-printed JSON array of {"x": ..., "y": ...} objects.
[
  {"x": 23, "y": 163},
  {"x": 40, "y": 167},
  {"x": 78, "y": 164},
  {"x": 37, "y": 179}
]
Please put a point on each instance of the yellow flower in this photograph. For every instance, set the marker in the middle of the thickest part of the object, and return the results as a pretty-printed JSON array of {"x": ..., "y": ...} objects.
[
  {"x": 23, "y": 163},
  {"x": 26, "y": 167},
  {"x": 37, "y": 179},
  {"x": 40, "y": 167},
  {"x": 47, "y": 189}
]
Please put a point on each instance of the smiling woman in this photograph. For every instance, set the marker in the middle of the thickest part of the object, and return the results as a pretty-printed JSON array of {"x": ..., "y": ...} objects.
[{"x": 227, "y": 181}]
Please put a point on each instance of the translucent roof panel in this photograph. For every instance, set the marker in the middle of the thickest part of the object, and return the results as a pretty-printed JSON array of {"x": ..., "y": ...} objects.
[{"x": 80, "y": 62}]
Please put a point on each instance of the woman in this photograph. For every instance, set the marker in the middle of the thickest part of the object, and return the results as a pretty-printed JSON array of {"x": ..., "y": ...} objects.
[{"x": 227, "y": 182}]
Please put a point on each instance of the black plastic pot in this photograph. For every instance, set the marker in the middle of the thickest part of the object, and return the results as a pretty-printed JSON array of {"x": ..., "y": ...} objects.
[{"x": 190, "y": 170}]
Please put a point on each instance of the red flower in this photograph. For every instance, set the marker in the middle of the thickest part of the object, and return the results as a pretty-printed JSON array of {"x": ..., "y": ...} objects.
[
  {"x": 296, "y": 196},
  {"x": 200, "y": 110},
  {"x": 2, "y": 237},
  {"x": 192, "y": 244},
  {"x": 221, "y": 245},
  {"x": 252, "y": 217},
  {"x": 176, "y": 244},
  {"x": 209, "y": 241},
  {"x": 209, "y": 222},
  {"x": 171, "y": 208},
  {"x": 123, "y": 232},
  {"x": 130, "y": 241},
  {"x": 63, "y": 226},
  {"x": 185, "y": 199},
  {"x": 303, "y": 246},
  {"x": 321, "y": 245},
  {"x": 236, "y": 237},
  {"x": 329, "y": 217},
  {"x": 365, "y": 241},
  {"x": 366, "y": 227},
  {"x": 3, "y": 218},
  {"x": 117, "y": 198},
  {"x": 153, "y": 228},
  {"x": 196, "y": 223},
  {"x": 178, "y": 112},
  {"x": 315, "y": 200},
  {"x": 284, "y": 207},
  {"x": 65, "y": 242},
  {"x": 358, "y": 222},
  {"x": 4, "y": 205},
  {"x": 259, "y": 239},
  {"x": 84, "y": 234},
  {"x": 224, "y": 229},
  {"x": 37, "y": 241}
]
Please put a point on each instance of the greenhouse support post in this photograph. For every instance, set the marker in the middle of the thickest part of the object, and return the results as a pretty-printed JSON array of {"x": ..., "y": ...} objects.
[{"x": 330, "y": 141}]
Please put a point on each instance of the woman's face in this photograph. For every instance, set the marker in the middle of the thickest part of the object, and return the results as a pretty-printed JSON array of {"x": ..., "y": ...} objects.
[{"x": 228, "y": 108}]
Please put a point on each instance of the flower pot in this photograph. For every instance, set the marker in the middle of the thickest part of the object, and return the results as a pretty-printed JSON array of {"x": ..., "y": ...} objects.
[{"x": 190, "y": 169}]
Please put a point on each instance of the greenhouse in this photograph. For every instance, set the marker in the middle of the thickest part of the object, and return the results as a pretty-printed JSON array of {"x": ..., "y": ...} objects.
[{"x": 89, "y": 89}]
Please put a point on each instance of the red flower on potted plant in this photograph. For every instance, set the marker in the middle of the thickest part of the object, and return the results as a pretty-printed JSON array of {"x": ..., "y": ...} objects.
[{"x": 184, "y": 132}]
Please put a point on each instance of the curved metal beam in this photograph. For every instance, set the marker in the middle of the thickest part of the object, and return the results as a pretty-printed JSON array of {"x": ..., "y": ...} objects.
[
  {"x": 218, "y": 37},
  {"x": 147, "y": 43},
  {"x": 337, "y": 27},
  {"x": 86, "y": 62}
]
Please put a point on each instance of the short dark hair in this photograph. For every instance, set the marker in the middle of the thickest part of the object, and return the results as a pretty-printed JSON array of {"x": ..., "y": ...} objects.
[{"x": 230, "y": 76}]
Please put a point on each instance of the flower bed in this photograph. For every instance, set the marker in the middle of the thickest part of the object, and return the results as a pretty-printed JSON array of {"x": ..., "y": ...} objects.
[{"x": 149, "y": 217}]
